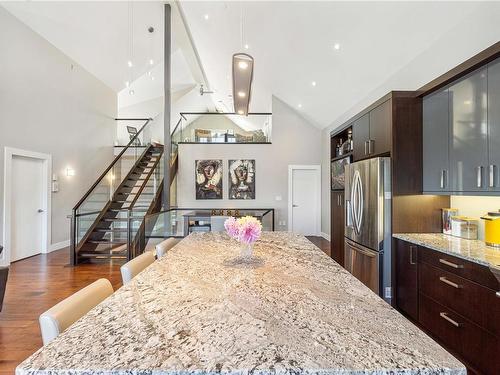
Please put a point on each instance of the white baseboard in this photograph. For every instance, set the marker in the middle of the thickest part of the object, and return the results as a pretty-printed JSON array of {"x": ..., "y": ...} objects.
[
  {"x": 325, "y": 236},
  {"x": 58, "y": 246}
]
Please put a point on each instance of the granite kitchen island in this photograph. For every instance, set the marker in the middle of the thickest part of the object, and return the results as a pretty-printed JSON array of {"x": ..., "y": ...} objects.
[{"x": 199, "y": 311}]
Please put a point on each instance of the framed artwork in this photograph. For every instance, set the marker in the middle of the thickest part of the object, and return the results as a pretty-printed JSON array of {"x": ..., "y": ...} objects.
[
  {"x": 242, "y": 179},
  {"x": 208, "y": 176}
]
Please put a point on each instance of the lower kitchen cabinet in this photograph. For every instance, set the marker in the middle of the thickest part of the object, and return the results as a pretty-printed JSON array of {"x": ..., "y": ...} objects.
[
  {"x": 453, "y": 300},
  {"x": 337, "y": 226},
  {"x": 406, "y": 278}
]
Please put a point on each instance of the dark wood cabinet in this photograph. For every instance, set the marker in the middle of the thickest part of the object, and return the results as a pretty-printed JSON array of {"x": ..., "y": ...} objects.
[
  {"x": 380, "y": 129},
  {"x": 337, "y": 226},
  {"x": 361, "y": 136},
  {"x": 457, "y": 303},
  {"x": 406, "y": 278}
]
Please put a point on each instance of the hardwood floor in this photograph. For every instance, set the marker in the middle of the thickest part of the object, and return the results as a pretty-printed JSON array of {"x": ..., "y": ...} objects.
[{"x": 34, "y": 285}]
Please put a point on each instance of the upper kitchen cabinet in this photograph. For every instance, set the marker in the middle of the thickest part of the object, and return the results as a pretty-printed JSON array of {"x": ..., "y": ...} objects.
[
  {"x": 469, "y": 132},
  {"x": 461, "y": 135},
  {"x": 494, "y": 126},
  {"x": 436, "y": 162},
  {"x": 380, "y": 129},
  {"x": 360, "y": 137},
  {"x": 372, "y": 131}
]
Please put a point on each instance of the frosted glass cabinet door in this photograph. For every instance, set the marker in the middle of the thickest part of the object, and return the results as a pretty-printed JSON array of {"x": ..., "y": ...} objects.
[
  {"x": 436, "y": 162},
  {"x": 469, "y": 133},
  {"x": 494, "y": 125}
]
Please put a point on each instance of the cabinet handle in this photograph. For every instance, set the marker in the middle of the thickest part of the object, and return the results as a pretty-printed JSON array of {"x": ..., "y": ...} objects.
[
  {"x": 447, "y": 318},
  {"x": 412, "y": 251},
  {"x": 479, "y": 176},
  {"x": 366, "y": 147},
  {"x": 451, "y": 283},
  {"x": 370, "y": 142},
  {"x": 443, "y": 176},
  {"x": 492, "y": 176},
  {"x": 454, "y": 265},
  {"x": 497, "y": 294}
]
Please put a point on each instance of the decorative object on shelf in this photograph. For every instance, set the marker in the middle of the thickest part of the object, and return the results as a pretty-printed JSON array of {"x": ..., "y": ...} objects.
[
  {"x": 242, "y": 179},
  {"x": 447, "y": 215},
  {"x": 208, "y": 174},
  {"x": 246, "y": 230}
]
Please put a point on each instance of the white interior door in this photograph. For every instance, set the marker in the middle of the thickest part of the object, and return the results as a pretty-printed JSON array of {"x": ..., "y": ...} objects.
[
  {"x": 305, "y": 201},
  {"x": 27, "y": 207}
]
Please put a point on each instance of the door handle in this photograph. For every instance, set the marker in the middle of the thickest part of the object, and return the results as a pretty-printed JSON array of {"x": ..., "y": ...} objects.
[
  {"x": 446, "y": 317},
  {"x": 40, "y": 210},
  {"x": 295, "y": 205},
  {"x": 492, "y": 176},
  {"x": 479, "y": 176}
]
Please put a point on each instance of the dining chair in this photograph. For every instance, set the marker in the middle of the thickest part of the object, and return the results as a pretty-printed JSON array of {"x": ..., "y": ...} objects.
[
  {"x": 65, "y": 313},
  {"x": 130, "y": 269},
  {"x": 164, "y": 246}
]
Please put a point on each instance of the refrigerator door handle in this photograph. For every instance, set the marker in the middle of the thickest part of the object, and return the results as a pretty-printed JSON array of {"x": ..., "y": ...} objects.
[{"x": 357, "y": 202}]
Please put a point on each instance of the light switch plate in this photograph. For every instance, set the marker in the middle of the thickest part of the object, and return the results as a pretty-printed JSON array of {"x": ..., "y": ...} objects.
[{"x": 279, "y": 198}]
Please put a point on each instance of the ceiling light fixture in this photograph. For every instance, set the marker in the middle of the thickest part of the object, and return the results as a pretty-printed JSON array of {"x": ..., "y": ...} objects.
[
  {"x": 151, "y": 62},
  {"x": 336, "y": 46},
  {"x": 131, "y": 92},
  {"x": 242, "y": 82},
  {"x": 300, "y": 106},
  {"x": 130, "y": 64},
  {"x": 127, "y": 83},
  {"x": 247, "y": 46},
  {"x": 313, "y": 83},
  {"x": 206, "y": 16}
]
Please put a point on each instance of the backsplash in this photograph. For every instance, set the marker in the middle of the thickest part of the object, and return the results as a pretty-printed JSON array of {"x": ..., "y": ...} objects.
[{"x": 475, "y": 207}]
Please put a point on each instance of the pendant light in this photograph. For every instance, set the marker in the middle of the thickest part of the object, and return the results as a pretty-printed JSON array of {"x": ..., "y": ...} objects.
[{"x": 242, "y": 67}]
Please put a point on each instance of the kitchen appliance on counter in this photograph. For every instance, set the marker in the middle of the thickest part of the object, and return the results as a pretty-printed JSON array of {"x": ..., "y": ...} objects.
[
  {"x": 337, "y": 168},
  {"x": 448, "y": 213},
  {"x": 368, "y": 202},
  {"x": 492, "y": 229},
  {"x": 464, "y": 227}
]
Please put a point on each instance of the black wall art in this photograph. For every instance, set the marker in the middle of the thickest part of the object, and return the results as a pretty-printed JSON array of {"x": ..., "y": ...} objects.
[
  {"x": 242, "y": 179},
  {"x": 208, "y": 175}
]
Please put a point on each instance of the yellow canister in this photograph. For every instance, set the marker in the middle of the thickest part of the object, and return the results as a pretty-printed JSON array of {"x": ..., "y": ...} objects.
[{"x": 492, "y": 229}]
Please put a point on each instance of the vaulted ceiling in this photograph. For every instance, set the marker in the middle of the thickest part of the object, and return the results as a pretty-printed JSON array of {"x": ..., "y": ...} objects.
[{"x": 319, "y": 57}]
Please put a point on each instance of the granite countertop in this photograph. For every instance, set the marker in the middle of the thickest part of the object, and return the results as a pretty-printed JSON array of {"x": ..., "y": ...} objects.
[
  {"x": 473, "y": 250},
  {"x": 198, "y": 311}
]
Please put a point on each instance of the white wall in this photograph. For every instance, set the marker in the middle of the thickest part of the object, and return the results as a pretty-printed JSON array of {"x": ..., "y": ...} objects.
[
  {"x": 49, "y": 104},
  {"x": 294, "y": 141},
  {"x": 476, "y": 32}
]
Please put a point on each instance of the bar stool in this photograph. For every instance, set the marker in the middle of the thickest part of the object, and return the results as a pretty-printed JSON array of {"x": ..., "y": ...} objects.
[{"x": 130, "y": 269}]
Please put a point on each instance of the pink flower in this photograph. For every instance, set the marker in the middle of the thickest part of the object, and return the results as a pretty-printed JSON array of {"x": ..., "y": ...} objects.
[
  {"x": 250, "y": 232},
  {"x": 231, "y": 227}
]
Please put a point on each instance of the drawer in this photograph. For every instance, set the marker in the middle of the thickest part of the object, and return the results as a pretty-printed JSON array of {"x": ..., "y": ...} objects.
[
  {"x": 463, "y": 268},
  {"x": 469, "y": 299},
  {"x": 476, "y": 347}
]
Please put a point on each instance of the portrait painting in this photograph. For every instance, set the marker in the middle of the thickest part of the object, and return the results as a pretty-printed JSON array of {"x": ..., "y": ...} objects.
[
  {"x": 208, "y": 175},
  {"x": 242, "y": 179}
]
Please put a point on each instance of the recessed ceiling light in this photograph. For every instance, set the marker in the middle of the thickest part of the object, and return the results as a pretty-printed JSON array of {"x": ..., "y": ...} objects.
[
  {"x": 151, "y": 62},
  {"x": 127, "y": 83},
  {"x": 240, "y": 112},
  {"x": 152, "y": 78},
  {"x": 247, "y": 46},
  {"x": 300, "y": 106},
  {"x": 205, "y": 16},
  {"x": 313, "y": 83},
  {"x": 129, "y": 63},
  {"x": 149, "y": 73},
  {"x": 242, "y": 65},
  {"x": 336, "y": 46},
  {"x": 131, "y": 92},
  {"x": 241, "y": 94}
]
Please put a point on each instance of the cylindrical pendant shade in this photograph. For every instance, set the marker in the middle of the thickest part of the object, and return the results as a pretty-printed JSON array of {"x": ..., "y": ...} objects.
[{"x": 242, "y": 82}]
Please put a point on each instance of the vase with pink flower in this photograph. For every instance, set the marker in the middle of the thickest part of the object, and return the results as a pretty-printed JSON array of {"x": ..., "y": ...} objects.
[{"x": 246, "y": 230}]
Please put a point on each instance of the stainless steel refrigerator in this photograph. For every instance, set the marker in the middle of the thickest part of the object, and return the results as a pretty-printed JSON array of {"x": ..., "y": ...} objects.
[{"x": 368, "y": 198}]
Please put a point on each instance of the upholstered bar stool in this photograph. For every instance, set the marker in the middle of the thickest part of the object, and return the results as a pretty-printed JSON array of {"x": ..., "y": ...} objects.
[
  {"x": 65, "y": 313},
  {"x": 130, "y": 269},
  {"x": 164, "y": 246}
]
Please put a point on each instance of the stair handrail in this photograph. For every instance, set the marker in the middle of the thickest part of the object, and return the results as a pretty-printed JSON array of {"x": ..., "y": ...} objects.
[{"x": 115, "y": 160}]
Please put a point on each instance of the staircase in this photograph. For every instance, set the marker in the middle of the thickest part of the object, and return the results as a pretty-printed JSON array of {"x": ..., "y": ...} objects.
[{"x": 137, "y": 194}]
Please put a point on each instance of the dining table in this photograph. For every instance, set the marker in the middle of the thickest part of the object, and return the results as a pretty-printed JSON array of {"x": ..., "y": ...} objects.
[{"x": 204, "y": 309}]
